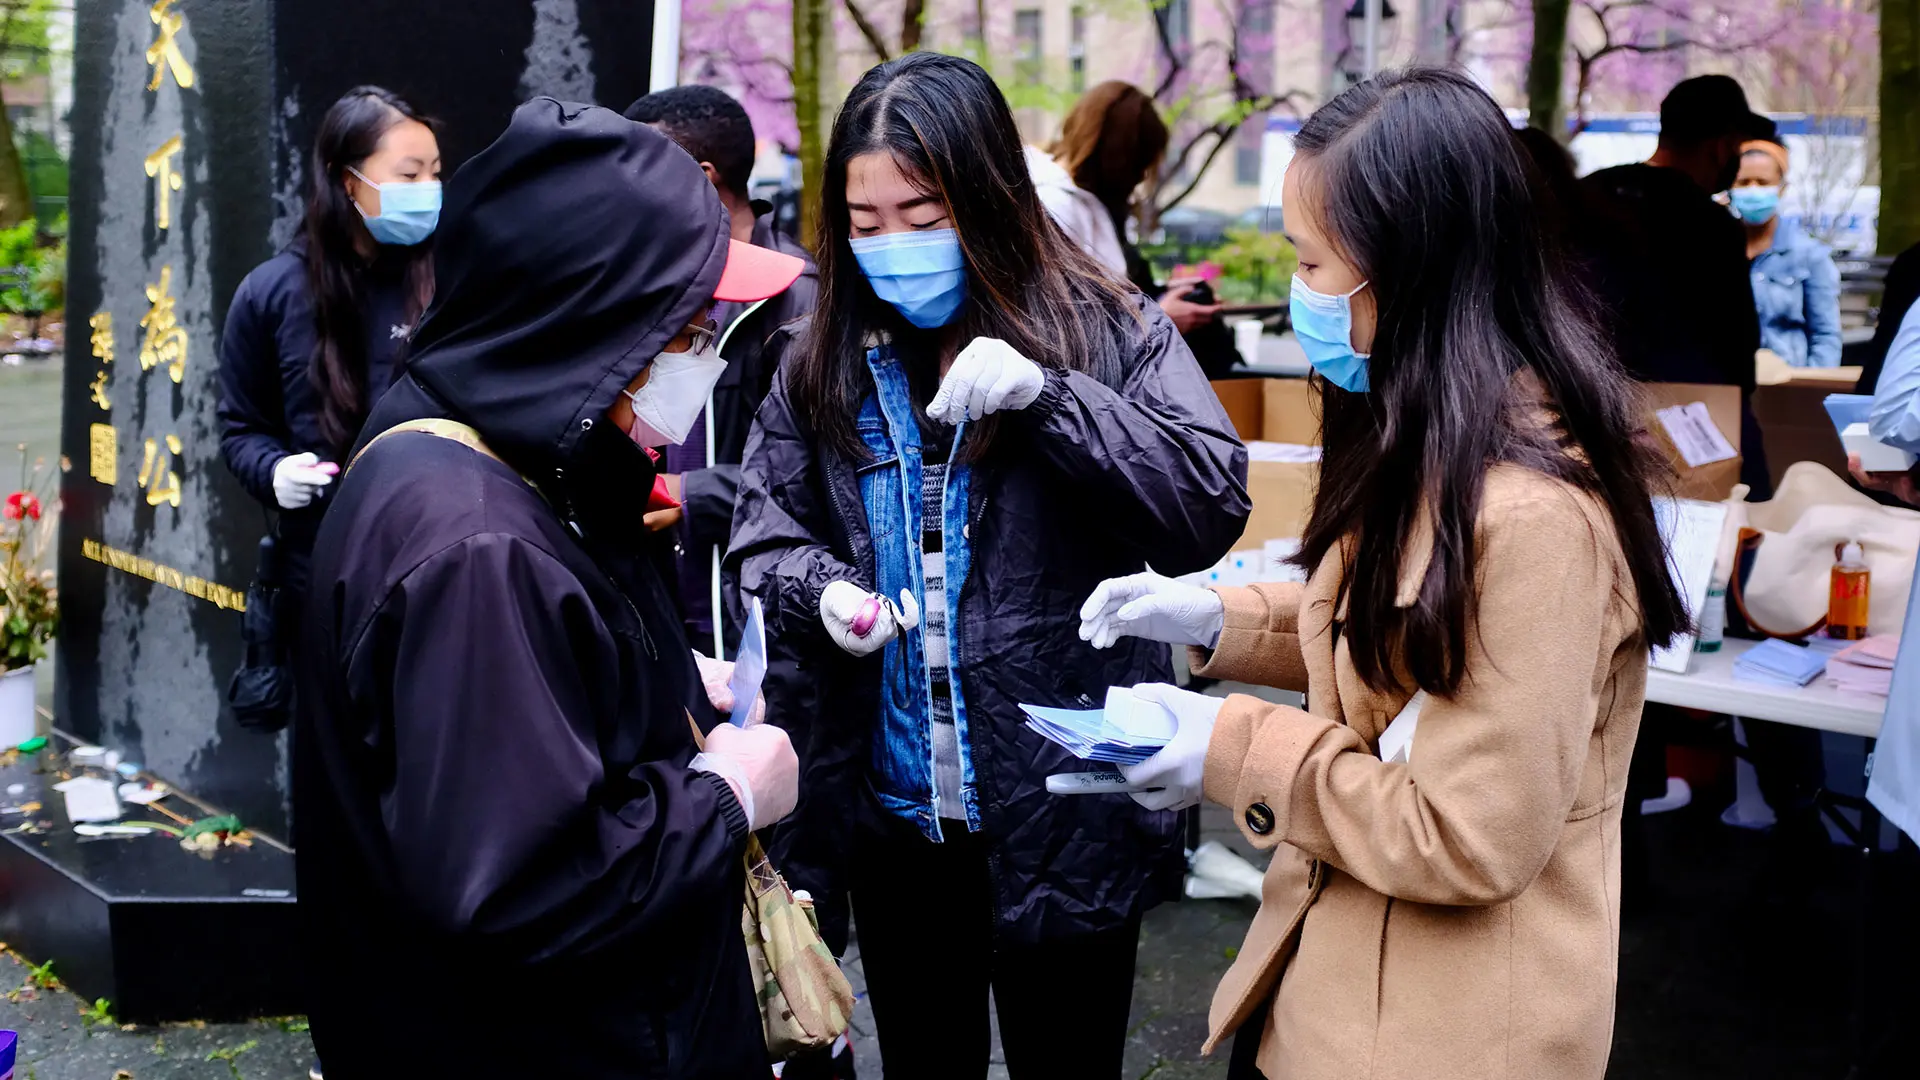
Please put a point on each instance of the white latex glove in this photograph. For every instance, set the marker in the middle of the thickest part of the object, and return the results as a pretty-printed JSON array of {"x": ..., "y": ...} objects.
[
  {"x": 760, "y": 765},
  {"x": 986, "y": 377},
  {"x": 1152, "y": 607},
  {"x": 1180, "y": 767},
  {"x": 841, "y": 603},
  {"x": 297, "y": 478},
  {"x": 714, "y": 677}
]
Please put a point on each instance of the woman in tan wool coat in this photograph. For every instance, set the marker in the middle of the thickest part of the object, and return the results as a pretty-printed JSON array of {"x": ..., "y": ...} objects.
[{"x": 1484, "y": 557}]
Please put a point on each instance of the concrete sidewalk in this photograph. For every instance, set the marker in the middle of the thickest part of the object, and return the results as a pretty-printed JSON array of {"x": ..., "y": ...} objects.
[{"x": 1183, "y": 949}]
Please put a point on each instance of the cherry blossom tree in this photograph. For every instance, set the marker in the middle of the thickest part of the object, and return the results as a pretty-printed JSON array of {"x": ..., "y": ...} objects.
[
  {"x": 1208, "y": 63},
  {"x": 746, "y": 48},
  {"x": 1586, "y": 55}
]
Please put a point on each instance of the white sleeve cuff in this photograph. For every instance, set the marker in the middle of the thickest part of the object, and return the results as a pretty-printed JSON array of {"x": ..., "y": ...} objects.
[{"x": 729, "y": 770}]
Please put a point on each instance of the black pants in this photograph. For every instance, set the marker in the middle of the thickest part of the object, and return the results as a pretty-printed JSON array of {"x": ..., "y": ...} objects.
[
  {"x": 924, "y": 916},
  {"x": 1791, "y": 766},
  {"x": 1246, "y": 1046}
]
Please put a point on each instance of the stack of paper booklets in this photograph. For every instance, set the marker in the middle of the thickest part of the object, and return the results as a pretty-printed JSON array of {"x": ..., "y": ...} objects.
[
  {"x": 1865, "y": 667},
  {"x": 1778, "y": 663},
  {"x": 1126, "y": 732}
]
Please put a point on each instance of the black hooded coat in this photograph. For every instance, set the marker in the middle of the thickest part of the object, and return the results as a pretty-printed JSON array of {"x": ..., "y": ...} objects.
[{"x": 505, "y": 866}]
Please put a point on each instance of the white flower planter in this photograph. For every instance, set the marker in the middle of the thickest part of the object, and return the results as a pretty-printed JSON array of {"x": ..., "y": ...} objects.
[{"x": 16, "y": 707}]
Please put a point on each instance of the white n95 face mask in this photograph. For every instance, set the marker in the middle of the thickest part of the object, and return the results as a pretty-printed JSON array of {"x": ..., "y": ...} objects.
[{"x": 664, "y": 410}]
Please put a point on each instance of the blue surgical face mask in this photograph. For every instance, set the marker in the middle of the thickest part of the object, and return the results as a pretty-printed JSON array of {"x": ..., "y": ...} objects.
[
  {"x": 1755, "y": 205},
  {"x": 922, "y": 274},
  {"x": 1324, "y": 325},
  {"x": 408, "y": 212}
]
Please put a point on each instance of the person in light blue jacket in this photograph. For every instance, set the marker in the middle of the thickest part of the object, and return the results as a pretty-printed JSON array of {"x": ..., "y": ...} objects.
[
  {"x": 1796, "y": 286},
  {"x": 1894, "y": 788}
]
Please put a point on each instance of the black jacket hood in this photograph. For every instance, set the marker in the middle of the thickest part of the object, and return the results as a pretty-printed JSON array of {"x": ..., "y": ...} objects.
[{"x": 569, "y": 253}]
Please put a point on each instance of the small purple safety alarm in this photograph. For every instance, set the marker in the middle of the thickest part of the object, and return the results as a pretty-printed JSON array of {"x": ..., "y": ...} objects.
[{"x": 868, "y": 615}]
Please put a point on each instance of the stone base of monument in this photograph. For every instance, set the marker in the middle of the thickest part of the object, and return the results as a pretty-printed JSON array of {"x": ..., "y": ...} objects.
[{"x": 162, "y": 933}]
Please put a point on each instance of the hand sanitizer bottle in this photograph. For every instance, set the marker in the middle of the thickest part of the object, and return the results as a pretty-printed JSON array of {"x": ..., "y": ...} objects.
[{"x": 1847, "y": 600}]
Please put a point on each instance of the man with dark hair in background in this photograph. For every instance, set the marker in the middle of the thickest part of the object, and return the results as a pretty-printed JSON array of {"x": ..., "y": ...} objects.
[
  {"x": 1687, "y": 312},
  {"x": 703, "y": 471},
  {"x": 1678, "y": 261}
]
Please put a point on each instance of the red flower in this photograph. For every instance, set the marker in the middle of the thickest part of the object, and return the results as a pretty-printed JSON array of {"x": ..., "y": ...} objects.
[{"x": 21, "y": 506}]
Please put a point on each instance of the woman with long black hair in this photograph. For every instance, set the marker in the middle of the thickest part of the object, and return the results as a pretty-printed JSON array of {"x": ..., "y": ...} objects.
[
  {"x": 1487, "y": 578},
  {"x": 977, "y": 427},
  {"x": 314, "y": 333},
  {"x": 312, "y": 340}
]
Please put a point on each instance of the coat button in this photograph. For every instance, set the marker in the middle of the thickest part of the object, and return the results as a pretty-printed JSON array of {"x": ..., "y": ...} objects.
[{"x": 1260, "y": 818}]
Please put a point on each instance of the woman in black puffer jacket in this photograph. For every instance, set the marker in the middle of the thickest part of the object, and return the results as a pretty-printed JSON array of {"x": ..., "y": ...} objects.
[{"x": 982, "y": 424}]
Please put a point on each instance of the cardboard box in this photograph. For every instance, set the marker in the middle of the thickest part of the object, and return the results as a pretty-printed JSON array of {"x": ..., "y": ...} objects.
[
  {"x": 1290, "y": 412},
  {"x": 1274, "y": 410},
  {"x": 1245, "y": 402},
  {"x": 1794, "y": 425},
  {"x": 1282, "y": 498},
  {"x": 1714, "y": 482}
]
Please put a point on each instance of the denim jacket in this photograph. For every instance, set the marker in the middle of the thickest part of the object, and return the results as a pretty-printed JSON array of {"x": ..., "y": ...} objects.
[
  {"x": 1131, "y": 460},
  {"x": 1796, "y": 288},
  {"x": 902, "y": 763}
]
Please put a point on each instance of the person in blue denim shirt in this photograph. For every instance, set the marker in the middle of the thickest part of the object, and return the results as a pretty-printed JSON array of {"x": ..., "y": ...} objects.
[
  {"x": 1894, "y": 788},
  {"x": 1796, "y": 286},
  {"x": 1796, "y": 291},
  {"x": 978, "y": 425}
]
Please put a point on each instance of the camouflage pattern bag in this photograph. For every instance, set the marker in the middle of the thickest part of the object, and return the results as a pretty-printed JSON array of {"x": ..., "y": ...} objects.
[{"x": 805, "y": 1001}]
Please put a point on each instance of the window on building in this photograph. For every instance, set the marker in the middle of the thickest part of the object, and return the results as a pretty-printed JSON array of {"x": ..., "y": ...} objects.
[
  {"x": 1176, "y": 20},
  {"x": 1077, "y": 50},
  {"x": 1026, "y": 46},
  {"x": 1246, "y": 165},
  {"x": 1257, "y": 17}
]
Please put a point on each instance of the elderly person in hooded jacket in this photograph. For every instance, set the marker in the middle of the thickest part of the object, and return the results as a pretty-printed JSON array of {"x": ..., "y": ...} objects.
[{"x": 507, "y": 836}]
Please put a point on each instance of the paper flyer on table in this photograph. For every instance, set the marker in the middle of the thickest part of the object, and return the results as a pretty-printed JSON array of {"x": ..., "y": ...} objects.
[{"x": 1692, "y": 534}]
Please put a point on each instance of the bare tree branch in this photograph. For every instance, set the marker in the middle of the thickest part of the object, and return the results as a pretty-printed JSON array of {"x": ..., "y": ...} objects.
[
  {"x": 869, "y": 31},
  {"x": 1176, "y": 65},
  {"x": 1611, "y": 44}
]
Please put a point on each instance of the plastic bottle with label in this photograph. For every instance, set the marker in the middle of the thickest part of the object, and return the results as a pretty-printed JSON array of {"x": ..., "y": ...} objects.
[
  {"x": 1850, "y": 591},
  {"x": 1713, "y": 618}
]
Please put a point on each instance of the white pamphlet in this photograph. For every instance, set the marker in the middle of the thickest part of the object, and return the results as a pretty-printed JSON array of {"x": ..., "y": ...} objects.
[
  {"x": 1695, "y": 434},
  {"x": 1396, "y": 743},
  {"x": 1692, "y": 531},
  {"x": 750, "y": 666}
]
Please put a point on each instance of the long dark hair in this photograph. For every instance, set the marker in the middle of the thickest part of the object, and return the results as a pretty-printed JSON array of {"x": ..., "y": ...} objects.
[
  {"x": 1111, "y": 141},
  {"x": 1423, "y": 188},
  {"x": 349, "y": 134},
  {"x": 948, "y": 127}
]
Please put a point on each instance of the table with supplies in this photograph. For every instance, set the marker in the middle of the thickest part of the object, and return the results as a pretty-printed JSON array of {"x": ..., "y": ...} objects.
[{"x": 1709, "y": 684}]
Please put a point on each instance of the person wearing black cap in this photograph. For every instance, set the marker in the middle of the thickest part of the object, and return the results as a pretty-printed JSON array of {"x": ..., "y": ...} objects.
[
  {"x": 508, "y": 838},
  {"x": 703, "y": 471},
  {"x": 1688, "y": 315},
  {"x": 1685, "y": 313}
]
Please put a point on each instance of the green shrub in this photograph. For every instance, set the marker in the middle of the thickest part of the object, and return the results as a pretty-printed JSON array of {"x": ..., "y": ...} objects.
[
  {"x": 1255, "y": 267},
  {"x": 36, "y": 272}
]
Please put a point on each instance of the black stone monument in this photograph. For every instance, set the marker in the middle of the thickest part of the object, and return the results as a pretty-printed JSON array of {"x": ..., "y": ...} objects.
[{"x": 192, "y": 121}]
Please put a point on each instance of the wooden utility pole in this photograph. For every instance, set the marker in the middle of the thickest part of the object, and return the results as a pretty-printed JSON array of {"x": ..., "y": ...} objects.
[
  {"x": 812, "y": 29},
  {"x": 1899, "y": 125},
  {"x": 1546, "y": 68}
]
